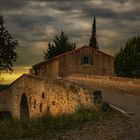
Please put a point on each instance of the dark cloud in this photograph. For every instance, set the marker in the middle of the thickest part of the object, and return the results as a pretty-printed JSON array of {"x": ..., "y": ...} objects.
[
  {"x": 9, "y": 5},
  {"x": 34, "y": 22}
]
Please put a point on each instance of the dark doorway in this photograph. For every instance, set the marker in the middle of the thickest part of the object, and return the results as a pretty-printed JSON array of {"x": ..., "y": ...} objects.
[{"x": 24, "y": 109}]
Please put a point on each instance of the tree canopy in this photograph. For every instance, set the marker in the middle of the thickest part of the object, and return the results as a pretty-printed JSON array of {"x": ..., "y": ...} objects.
[
  {"x": 7, "y": 48},
  {"x": 93, "y": 40},
  {"x": 127, "y": 61},
  {"x": 61, "y": 44}
]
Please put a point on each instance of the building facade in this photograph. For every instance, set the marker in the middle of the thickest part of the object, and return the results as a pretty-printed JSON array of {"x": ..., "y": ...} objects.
[
  {"x": 83, "y": 60},
  {"x": 34, "y": 94}
]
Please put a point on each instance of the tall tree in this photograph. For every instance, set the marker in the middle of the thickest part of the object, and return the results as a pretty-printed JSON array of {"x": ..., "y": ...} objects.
[
  {"x": 93, "y": 40},
  {"x": 127, "y": 61},
  {"x": 61, "y": 44},
  {"x": 7, "y": 48}
]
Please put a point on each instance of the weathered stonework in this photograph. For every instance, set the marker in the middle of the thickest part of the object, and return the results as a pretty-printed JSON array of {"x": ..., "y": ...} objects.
[
  {"x": 51, "y": 96},
  {"x": 126, "y": 85},
  {"x": 97, "y": 63}
]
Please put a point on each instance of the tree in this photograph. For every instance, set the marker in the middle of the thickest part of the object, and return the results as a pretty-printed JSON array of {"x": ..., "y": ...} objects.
[
  {"x": 93, "y": 41},
  {"x": 7, "y": 48},
  {"x": 127, "y": 61},
  {"x": 61, "y": 44}
]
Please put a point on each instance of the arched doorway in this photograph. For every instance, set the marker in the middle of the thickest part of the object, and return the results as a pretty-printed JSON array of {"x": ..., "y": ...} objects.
[{"x": 24, "y": 109}]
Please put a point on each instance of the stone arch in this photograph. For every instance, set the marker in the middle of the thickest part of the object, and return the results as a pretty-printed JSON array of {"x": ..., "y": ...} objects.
[{"x": 24, "y": 108}]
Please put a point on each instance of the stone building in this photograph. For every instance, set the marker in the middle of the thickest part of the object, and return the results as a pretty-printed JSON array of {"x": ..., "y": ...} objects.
[
  {"x": 83, "y": 60},
  {"x": 42, "y": 92}
]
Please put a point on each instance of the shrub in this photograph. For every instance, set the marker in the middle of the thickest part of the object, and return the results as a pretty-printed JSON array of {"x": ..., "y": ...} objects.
[{"x": 48, "y": 126}]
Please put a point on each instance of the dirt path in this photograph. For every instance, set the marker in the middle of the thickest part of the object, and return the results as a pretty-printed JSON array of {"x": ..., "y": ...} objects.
[{"x": 107, "y": 130}]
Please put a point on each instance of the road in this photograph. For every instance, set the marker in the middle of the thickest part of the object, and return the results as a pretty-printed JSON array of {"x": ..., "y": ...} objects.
[{"x": 128, "y": 103}]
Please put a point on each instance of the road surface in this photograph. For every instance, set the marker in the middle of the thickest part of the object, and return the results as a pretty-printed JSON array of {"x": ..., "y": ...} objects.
[{"x": 128, "y": 103}]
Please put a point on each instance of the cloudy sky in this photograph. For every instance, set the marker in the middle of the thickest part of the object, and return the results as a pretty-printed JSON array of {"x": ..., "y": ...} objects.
[{"x": 34, "y": 23}]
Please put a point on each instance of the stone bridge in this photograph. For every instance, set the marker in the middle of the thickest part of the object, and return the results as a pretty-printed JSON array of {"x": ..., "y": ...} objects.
[{"x": 31, "y": 96}]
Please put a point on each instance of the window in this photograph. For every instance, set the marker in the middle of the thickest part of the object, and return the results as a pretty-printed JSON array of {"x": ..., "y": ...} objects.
[
  {"x": 43, "y": 95},
  {"x": 48, "y": 109},
  {"x": 30, "y": 101},
  {"x": 86, "y": 60},
  {"x": 41, "y": 107},
  {"x": 34, "y": 104}
]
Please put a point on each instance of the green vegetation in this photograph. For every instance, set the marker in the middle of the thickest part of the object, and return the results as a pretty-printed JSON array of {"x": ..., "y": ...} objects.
[
  {"x": 7, "y": 48},
  {"x": 93, "y": 41},
  {"x": 36, "y": 69},
  {"x": 127, "y": 61},
  {"x": 2, "y": 86},
  {"x": 136, "y": 73},
  {"x": 48, "y": 126},
  {"x": 61, "y": 44}
]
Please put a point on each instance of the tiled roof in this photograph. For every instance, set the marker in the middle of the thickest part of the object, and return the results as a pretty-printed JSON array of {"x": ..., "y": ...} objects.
[{"x": 69, "y": 52}]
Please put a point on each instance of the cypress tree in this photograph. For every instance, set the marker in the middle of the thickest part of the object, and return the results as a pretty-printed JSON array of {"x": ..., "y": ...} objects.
[{"x": 93, "y": 41}]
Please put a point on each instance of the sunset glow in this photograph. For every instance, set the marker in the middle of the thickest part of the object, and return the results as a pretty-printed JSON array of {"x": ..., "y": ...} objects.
[{"x": 18, "y": 71}]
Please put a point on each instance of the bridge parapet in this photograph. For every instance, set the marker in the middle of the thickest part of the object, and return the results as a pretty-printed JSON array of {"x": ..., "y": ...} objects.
[{"x": 125, "y": 85}]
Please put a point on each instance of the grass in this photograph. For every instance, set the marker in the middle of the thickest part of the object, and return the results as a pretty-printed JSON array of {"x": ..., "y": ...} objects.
[
  {"x": 2, "y": 86},
  {"x": 48, "y": 126}
]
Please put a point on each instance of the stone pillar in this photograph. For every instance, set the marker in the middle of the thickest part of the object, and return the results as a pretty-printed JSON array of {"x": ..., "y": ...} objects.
[{"x": 97, "y": 99}]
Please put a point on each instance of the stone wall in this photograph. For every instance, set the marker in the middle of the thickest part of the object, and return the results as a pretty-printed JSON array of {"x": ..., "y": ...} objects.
[
  {"x": 51, "y": 96},
  {"x": 5, "y": 98},
  {"x": 72, "y": 63},
  {"x": 52, "y": 68},
  {"x": 126, "y": 85},
  {"x": 102, "y": 64}
]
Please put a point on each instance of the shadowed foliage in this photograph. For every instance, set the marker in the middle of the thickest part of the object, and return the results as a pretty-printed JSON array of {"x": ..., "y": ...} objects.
[
  {"x": 47, "y": 126},
  {"x": 60, "y": 45},
  {"x": 7, "y": 48},
  {"x": 127, "y": 61},
  {"x": 93, "y": 41}
]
